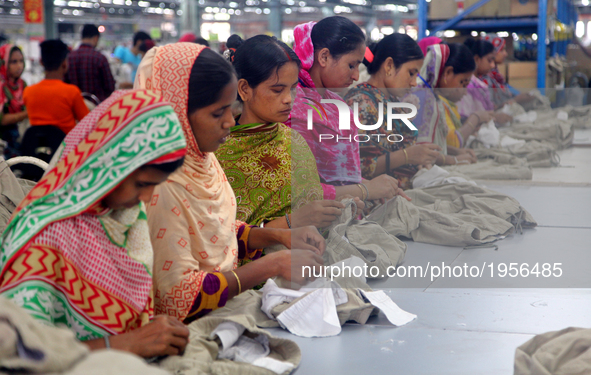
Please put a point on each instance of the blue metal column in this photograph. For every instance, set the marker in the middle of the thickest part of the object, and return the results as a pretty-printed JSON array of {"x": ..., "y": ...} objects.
[
  {"x": 422, "y": 18},
  {"x": 276, "y": 18},
  {"x": 542, "y": 24},
  {"x": 49, "y": 21}
]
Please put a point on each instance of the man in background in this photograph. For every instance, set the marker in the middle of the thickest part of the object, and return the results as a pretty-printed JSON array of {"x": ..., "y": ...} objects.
[
  {"x": 88, "y": 68},
  {"x": 132, "y": 56},
  {"x": 51, "y": 101}
]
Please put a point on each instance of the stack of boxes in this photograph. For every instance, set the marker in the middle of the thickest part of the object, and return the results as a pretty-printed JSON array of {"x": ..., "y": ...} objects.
[{"x": 520, "y": 74}]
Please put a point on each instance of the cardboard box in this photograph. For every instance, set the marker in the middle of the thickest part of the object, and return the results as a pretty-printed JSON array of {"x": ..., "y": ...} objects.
[
  {"x": 521, "y": 70},
  {"x": 492, "y": 9},
  {"x": 524, "y": 84},
  {"x": 528, "y": 7},
  {"x": 443, "y": 9}
]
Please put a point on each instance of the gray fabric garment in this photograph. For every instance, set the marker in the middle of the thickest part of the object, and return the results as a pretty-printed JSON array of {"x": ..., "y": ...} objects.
[
  {"x": 113, "y": 362},
  {"x": 364, "y": 239},
  {"x": 533, "y": 154},
  {"x": 356, "y": 309},
  {"x": 201, "y": 354},
  {"x": 558, "y": 133},
  {"x": 543, "y": 137},
  {"x": 502, "y": 167},
  {"x": 250, "y": 302},
  {"x": 12, "y": 192},
  {"x": 581, "y": 116},
  {"x": 540, "y": 102},
  {"x": 33, "y": 347},
  {"x": 26, "y": 343},
  {"x": 454, "y": 215},
  {"x": 556, "y": 353}
]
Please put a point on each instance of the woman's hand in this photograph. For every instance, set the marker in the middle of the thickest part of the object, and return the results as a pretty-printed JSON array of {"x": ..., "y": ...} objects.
[
  {"x": 358, "y": 202},
  {"x": 466, "y": 158},
  {"x": 502, "y": 118},
  {"x": 292, "y": 263},
  {"x": 468, "y": 151},
  {"x": 423, "y": 154},
  {"x": 305, "y": 238},
  {"x": 164, "y": 335},
  {"x": 384, "y": 187},
  {"x": 484, "y": 116},
  {"x": 317, "y": 213}
]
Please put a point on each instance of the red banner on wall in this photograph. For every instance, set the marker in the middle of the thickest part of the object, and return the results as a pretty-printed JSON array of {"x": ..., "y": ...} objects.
[{"x": 33, "y": 11}]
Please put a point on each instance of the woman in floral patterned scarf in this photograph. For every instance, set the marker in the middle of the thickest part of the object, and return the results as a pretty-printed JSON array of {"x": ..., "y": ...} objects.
[{"x": 77, "y": 251}]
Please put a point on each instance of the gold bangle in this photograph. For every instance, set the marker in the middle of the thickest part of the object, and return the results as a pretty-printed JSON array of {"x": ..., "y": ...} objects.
[
  {"x": 405, "y": 156},
  {"x": 363, "y": 197},
  {"x": 238, "y": 280}
]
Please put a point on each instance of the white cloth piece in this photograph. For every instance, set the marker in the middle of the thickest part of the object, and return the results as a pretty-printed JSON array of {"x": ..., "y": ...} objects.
[
  {"x": 239, "y": 348},
  {"x": 436, "y": 176},
  {"x": 273, "y": 295},
  {"x": 315, "y": 315},
  {"x": 513, "y": 109},
  {"x": 340, "y": 296},
  {"x": 395, "y": 314},
  {"x": 562, "y": 115},
  {"x": 489, "y": 135},
  {"x": 508, "y": 142},
  {"x": 530, "y": 116},
  {"x": 278, "y": 367}
]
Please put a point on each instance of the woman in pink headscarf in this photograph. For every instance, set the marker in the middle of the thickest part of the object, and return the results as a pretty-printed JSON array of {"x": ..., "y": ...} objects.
[
  {"x": 428, "y": 41},
  {"x": 331, "y": 51}
]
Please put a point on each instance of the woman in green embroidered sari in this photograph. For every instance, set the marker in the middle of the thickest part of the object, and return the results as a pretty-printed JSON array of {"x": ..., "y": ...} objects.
[{"x": 270, "y": 167}]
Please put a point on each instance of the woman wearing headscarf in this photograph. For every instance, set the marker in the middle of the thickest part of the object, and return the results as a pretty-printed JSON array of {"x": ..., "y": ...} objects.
[
  {"x": 270, "y": 166},
  {"x": 192, "y": 217},
  {"x": 12, "y": 86},
  {"x": 478, "y": 95},
  {"x": 444, "y": 76},
  {"x": 331, "y": 51},
  {"x": 501, "y": 92},
  {"x": 77, "y": 251},
  {"x": 393, "y": 64}
]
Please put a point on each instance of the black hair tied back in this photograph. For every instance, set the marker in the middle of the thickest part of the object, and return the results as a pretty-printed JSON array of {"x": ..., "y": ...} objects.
[
  {"x": 400, "y": 47},
  {"x": 259, "y": 57},
  {"x": 479, "y": 47},
  {"x": 210, "y": 74},
  {"x": 460, "y": 58},
  {"x": 339, "y": 34}
]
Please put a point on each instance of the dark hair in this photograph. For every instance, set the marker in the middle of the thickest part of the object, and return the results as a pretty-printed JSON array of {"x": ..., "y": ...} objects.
[
  {"x": 90, "y": 31},
  {"x": 209, "y": 75},
  {"x": 201, "y": 41},
  {"x": 53, "y": 54},
  {"x": 147, "y": 45},
  {"x": 140, "y": 35},
  {"x": 400, "y": 47},
  {"x": 479, "y": 47},
  {"x": 339, "y": 34},
  {"x": 166, "y": 167},
  {"x": 460, "y": 58},
  {"x": 257, "y": 58}
]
